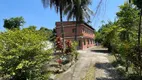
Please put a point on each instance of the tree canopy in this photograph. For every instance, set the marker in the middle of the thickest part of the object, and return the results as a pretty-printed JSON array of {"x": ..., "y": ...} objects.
[
  {"x": 14, "y": 22},
  {"x": 120, "y": 37},
  {"x": 22, "y": 55}
]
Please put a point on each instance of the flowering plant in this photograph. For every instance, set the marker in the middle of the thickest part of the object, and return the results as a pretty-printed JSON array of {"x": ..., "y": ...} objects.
[
  {"x": 59, "y": 44},
  {"x": 68, "y": 47}
]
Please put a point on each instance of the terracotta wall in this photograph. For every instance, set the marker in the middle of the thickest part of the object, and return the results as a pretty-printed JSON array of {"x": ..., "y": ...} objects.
[
  {"x": 87, "y": 32},
  {"x": 85, "y": 46},
  {"x": 82, "y": 30},
  {"x": 68, "y": 29}
]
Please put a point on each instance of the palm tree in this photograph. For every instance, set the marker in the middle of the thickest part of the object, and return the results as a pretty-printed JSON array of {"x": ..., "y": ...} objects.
[
  {"x": 78, "y": 10},
  {"x": 59, "y": 6}
]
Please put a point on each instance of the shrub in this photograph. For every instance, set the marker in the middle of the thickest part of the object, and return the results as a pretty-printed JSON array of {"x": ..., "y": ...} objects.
[
  {"x": 74, "y": 49},
  {"x": 68, "y": 47},
  {"x": 22, "y": 55},
  {"x": 59, "y": 45},
  {"x": 70, "y": 53}
]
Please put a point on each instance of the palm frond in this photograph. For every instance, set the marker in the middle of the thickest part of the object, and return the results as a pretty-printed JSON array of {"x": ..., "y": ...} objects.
[
  {"x": 79, "y": 9},
  {"x": 45, "y": 3},
  {"x": 57, "y": 4}
]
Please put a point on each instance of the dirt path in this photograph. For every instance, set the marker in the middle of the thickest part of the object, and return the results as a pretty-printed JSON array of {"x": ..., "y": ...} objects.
[{"x": 94, "y": 56}]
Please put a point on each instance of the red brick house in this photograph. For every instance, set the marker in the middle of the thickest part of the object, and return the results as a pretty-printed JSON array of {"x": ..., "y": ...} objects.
[{"x": 85, "y": 33}]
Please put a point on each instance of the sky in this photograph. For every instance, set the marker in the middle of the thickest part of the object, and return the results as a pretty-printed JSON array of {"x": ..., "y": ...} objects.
[{"x": 34, "y": 14}]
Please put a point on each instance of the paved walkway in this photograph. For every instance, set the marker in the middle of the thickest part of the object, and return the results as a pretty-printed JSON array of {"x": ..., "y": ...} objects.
[{"x": 94, "y": 56}]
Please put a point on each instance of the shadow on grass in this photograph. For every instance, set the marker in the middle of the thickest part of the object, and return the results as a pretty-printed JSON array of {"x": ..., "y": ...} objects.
[
  {"x": 117, "y": 63},
  {"x": 109, "y": 70},
  {"x": 108, "y": 79},
  {"x": 100, "y": 51}
]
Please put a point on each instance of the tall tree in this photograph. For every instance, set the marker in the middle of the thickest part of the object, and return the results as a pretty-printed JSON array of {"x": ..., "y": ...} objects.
[
  {"x": 138, "y": 3},
  {"x": 78, "y": 10},
  {"x": 13, "y": 22},
  {"x": 59, "y": 6},
  {"x": 127, "y": 20},
  {"x": 106, "y": 34}
]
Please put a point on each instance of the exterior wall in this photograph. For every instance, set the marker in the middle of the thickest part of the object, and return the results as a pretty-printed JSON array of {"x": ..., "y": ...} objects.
[
  {"x": 87, "y": 32},
  {"x": 84, "y": 33},
  {"x": 68, "y": 27},
  {"x": 87, "y": 45}
]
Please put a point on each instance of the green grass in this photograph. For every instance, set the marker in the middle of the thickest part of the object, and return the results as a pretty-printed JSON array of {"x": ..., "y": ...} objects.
[
  {"x": 90, "y": 75},
  {"x": 111, "y": 58}
]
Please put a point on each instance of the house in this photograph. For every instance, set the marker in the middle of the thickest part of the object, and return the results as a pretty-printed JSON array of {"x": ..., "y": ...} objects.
[{"x": 85, "y": 33}]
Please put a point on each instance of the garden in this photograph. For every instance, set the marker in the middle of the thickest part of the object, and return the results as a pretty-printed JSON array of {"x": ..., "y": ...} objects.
[
  {"x": 25, "y": 55},
  {"x": 28, "y": 53}
]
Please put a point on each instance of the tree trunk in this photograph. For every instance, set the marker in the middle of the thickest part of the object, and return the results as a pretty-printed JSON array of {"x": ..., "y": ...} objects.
[
  {"x": 76, "y": 31},
  {"x": 62, "y": 28},
  {"x": 139, "y": 36},
  {"x": 127, "y": 64}
]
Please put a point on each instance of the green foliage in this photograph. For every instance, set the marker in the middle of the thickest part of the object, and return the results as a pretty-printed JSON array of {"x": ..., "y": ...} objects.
[
  {"x": 107, "y": 34},
  {"x": 98, "y": 37},
  {"x": 78, "y": 10},
  {"x": 138, "y": 3},
  {"x": 71, "y": 47},
  {"x": 53, "y": 36},
  {"x": 127, "y": 16},
  {"x": 46, "y": 32},
  {"x": 13, "y": 22},
  {"x": 127, "y": 20},
  {"x": 74, "y": 50},
  {"x": 120, "y": 37},
  {"x": 33, "y": 28},
  {"x": 22, "y": 55},
  {"x": 59, "y": 5}
]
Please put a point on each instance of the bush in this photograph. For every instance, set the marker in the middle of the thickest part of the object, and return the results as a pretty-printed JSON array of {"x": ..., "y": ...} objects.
[
  {"x": 74, "y": 50},
  {"x": 22, "y": 55}
]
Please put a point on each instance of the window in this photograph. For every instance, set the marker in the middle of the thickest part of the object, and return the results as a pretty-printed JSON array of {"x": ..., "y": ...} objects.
[
  {"x": 79, "y": 43},
  {"x": 83, "y": 30},
  {"x": 73, "y": 30},
  {"x": 88, "y": 41}
]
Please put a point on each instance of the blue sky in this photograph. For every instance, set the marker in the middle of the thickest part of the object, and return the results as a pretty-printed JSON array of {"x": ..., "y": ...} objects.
[{"x": 34, "y": 13}]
